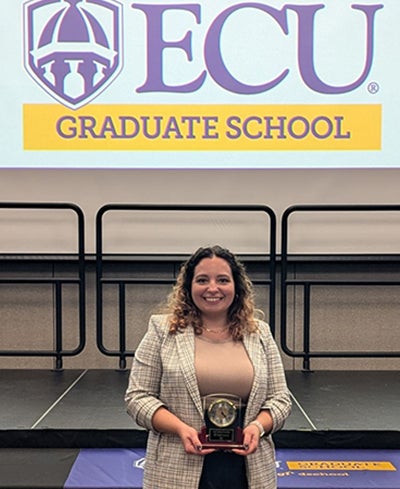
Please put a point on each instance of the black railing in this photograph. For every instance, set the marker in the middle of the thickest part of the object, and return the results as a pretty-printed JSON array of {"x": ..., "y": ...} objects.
[
  {"x": 308, "y": 284},
  {"x": 305, "y": 285},
  {"x": 58, "y": 352},
  {"x": 102, "y": 281}
]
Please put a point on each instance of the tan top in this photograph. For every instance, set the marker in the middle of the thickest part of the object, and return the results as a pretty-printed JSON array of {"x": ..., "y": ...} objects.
[{"x": 223, "y": 367}]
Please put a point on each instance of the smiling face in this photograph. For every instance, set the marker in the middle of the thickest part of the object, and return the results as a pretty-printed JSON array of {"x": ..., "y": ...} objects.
[{"x": 213, "y": 287}]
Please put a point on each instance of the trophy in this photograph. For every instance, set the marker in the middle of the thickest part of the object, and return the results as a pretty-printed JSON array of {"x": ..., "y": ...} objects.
[{"x": 223, "y": 422}]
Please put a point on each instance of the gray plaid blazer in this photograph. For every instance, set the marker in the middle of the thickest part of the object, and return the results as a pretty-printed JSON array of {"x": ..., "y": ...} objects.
[{"x": 163, "y": 374}]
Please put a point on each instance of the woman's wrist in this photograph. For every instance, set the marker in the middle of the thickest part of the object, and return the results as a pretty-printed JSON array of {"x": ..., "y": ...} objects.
[{"x": 259, "y": 426}]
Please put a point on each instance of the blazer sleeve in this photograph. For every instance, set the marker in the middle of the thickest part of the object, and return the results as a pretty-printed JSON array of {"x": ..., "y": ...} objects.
[
  {"x": 142, "y": 395},
  {"x": 278, "y": 400}
]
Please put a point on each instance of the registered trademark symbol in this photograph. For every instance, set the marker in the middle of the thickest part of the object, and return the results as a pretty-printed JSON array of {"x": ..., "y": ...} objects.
[{"x": 373, "y": 88}]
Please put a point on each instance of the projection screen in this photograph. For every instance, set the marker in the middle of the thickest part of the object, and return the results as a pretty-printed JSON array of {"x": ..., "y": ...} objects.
[{"x": 228, "y": 84}]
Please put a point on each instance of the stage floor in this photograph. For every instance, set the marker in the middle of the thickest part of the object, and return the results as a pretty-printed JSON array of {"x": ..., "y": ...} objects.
[
  {"x": 116, "y": 468},
  {"x": 69, "y": 429},
  {"x": 85, "y": 409}
]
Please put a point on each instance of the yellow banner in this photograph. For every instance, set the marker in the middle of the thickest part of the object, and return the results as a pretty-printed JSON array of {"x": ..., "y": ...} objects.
[
  {"x": 203, "y": 127},
  {"x": 340, "y": 465}
]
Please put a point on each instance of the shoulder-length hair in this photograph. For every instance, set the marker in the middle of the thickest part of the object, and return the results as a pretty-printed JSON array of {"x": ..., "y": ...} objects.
[{"x": 242, "y": 314}]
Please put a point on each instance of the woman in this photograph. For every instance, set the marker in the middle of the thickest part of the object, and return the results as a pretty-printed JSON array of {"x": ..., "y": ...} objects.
[{"x": 209, "y": 342}]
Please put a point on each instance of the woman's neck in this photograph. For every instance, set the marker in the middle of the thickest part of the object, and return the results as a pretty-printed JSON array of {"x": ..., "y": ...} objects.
[
  {"x": 215, "y": 328},
  {"x": 215, "y": 322}
]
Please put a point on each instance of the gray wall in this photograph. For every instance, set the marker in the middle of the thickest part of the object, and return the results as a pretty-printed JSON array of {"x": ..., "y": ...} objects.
[
  {"x": 279, "y": 189},
  {"x": 342, "y": 318}
]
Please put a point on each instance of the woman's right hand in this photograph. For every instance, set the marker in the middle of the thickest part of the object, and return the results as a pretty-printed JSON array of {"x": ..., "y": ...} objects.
[
  {"x": 166, "y": 422},
  {"x": 190, "y": 441}
]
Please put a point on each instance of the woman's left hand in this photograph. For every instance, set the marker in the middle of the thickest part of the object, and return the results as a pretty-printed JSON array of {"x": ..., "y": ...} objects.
[{"x": 251, "y": 440}]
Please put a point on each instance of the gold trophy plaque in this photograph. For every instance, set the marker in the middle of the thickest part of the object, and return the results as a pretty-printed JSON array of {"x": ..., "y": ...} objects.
[{"x": 223, "y": 427}]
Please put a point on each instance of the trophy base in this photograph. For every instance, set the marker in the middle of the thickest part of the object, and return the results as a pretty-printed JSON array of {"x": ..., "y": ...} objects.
[{"x": 221, "y": 444}]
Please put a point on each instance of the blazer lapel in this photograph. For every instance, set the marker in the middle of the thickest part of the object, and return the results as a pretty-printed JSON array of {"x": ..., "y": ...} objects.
[
  {"x": 185, "y": 346},
  {"x": 252, "y": 345}
]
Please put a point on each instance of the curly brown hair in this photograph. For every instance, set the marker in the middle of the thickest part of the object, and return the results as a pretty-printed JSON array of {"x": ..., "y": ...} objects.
[{"x": 242, "y": 314}]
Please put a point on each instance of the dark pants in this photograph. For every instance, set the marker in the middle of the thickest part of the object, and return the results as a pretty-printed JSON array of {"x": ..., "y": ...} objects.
[{"x": 223, "y": 470}]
